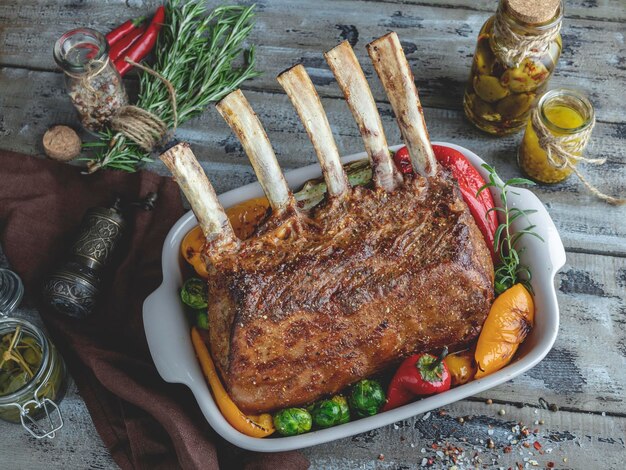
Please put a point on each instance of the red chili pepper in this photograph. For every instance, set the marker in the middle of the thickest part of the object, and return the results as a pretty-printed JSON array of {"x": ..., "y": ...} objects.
[
  {"x": 123, "y": 29},
  {"x": 419, "y": 375},
  {"x": 122, "y": 46},
  {"x": 469, "y": 181},
  {"x": 144, "y": 45}
]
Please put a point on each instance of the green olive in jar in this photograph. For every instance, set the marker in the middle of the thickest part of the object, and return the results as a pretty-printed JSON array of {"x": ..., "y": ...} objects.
[
  {"x": 514, "y": 106},
  {"x": 484, "y": 58},
  {"x": 528, "y": 76},
  {"x": 489, "y": 89},
  {"x": 483, "y": 109}
]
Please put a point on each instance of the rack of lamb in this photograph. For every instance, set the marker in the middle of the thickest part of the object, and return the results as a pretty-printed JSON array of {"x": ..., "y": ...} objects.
[{"x": 316, "y": 300}]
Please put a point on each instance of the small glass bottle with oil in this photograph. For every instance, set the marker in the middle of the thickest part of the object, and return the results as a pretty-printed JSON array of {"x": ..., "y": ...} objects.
[{"x": 567, "y": 115}]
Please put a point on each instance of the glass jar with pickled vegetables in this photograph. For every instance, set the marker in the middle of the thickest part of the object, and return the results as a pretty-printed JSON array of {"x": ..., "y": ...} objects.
[
  {"x": 516, "y": 54},
  {"x": 565, "y": 118},
  {"x": 33, "y": 378},
  {"x": 93, "y": 83}
]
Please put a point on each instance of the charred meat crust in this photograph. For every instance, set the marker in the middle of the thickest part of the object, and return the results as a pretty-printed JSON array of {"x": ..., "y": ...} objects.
[{"x": 347, "y": 291}]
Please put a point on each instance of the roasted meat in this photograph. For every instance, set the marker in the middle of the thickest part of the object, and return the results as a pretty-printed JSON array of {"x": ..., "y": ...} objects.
[{"x": 314, "y": 301}]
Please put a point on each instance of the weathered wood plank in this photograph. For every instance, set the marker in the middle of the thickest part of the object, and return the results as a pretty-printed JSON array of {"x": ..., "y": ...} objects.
[
  {"x": 439, "y": 50},
  {"x": 35, "y": 100},
  {"x": 409, "y": 444},
  {"x": 563, "y": 435}
]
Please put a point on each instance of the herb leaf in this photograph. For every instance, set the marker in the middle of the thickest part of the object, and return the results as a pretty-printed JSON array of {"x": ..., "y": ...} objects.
[
  {"x": 197, "y": 53},
  {"x": 509, "y": 271}
]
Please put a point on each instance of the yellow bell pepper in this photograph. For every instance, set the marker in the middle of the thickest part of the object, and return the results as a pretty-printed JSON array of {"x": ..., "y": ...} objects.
[
  {"x": 253, "y": 425},
  {"x": 461, "y": 367},
  {"x": 244, "y": 218},
  {"x": 511, "y": 317},
  {"x": 191, "y": 249}
]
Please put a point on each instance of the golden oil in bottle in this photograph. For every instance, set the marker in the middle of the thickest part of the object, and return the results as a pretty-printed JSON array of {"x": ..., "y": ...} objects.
[{"x": 564, "y": 113}]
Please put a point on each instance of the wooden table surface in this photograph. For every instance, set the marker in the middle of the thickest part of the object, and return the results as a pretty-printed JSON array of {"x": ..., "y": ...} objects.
[{"x": 583, "y": 377}]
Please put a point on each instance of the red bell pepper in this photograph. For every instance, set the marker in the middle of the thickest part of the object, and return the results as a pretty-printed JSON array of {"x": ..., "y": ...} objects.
[
  {"x": 122, "y": 46},
  {"x": 123, "y": 29},
  {"x": 469, "y": 180},
  {"x": 419, "y": 375},
  {"x": 144, "y": 45}
]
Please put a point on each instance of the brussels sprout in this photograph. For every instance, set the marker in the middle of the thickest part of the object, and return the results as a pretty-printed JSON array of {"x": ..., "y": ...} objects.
[
  {"x": 366, "y": 398},
  {"x": 292, "y": 421},
  {"x": 194, "y": 293},
  {"x": 327, "y": 413},
  {"x": 489, "y": 88},
  {"x": 202, "y": 319}
]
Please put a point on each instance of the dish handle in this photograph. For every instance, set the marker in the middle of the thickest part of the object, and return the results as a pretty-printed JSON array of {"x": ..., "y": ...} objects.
[{"x": 161, "y": 320}]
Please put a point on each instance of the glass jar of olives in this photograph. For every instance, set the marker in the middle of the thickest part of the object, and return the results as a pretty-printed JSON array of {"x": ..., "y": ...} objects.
[
  {"x": 33, "y": 378},
  {"x": 516, "y": 53}
]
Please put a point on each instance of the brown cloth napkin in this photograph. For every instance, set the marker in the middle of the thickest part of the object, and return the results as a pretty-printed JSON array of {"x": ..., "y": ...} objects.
[{"x": 144, "y": 421}]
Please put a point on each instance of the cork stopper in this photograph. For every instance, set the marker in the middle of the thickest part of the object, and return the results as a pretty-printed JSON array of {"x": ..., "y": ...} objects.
[
  {"x": 61, "y": 143},
  {"x": 533, "y": 11}
]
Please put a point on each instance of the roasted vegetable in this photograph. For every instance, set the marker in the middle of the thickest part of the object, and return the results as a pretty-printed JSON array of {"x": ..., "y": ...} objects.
[
  {"x": 202, "y": 319},
  {"x": 511, "y": 317},
  {"x": 191, "y": 249},
  {"x": 461, "y": 367},
  {"x": 292, "y": 421},
  {"x": 366, "y": 398},
  {"x": 419, "y": 375},
  {"x": 194, "y": 293},
  {"x": 255, "y": 426},
  {"x": 331, "y": 412}
]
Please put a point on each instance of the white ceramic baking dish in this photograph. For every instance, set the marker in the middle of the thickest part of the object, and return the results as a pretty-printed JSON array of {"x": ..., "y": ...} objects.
[{"x": 168, "y": 332}]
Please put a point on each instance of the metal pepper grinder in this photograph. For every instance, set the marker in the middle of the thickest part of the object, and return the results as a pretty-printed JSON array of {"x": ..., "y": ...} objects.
[{"x": 73, "y": 288}]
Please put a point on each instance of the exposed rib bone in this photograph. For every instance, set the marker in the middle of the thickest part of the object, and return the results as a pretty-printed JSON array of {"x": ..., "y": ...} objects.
[
  {"x": 241, "y": 118},
  {"x": 200, "y": 193},
  {"x": 357, "y": 93},
  {"x": 397, "y": 79},
  {"x": 297, "y": 83}
]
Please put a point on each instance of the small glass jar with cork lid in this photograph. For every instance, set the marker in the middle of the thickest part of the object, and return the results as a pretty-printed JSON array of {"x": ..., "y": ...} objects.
[
  {"x": 516, "y": 54},
  {"x": 556, "y": 136},
  {"x": 92, "y": 81}
]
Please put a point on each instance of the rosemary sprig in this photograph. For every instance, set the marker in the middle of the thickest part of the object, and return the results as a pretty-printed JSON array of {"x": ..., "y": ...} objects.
[
  {"x": 509, "y": 270},
  {"x": 195, "y": 52}
]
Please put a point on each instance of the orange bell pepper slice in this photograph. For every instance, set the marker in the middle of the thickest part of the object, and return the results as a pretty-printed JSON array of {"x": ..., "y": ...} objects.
[
  {"x": 191, "y": 249},
  {"x": 510, "y": 319},
  {"x": 253, "y": 425},
  {"x": 244, "y": 218}
]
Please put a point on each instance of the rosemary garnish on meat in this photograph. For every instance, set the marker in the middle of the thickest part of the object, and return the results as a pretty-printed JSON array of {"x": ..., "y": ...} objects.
[
  {"x": 195, "y": 52},
  {"x": 510, "y": 270}
]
